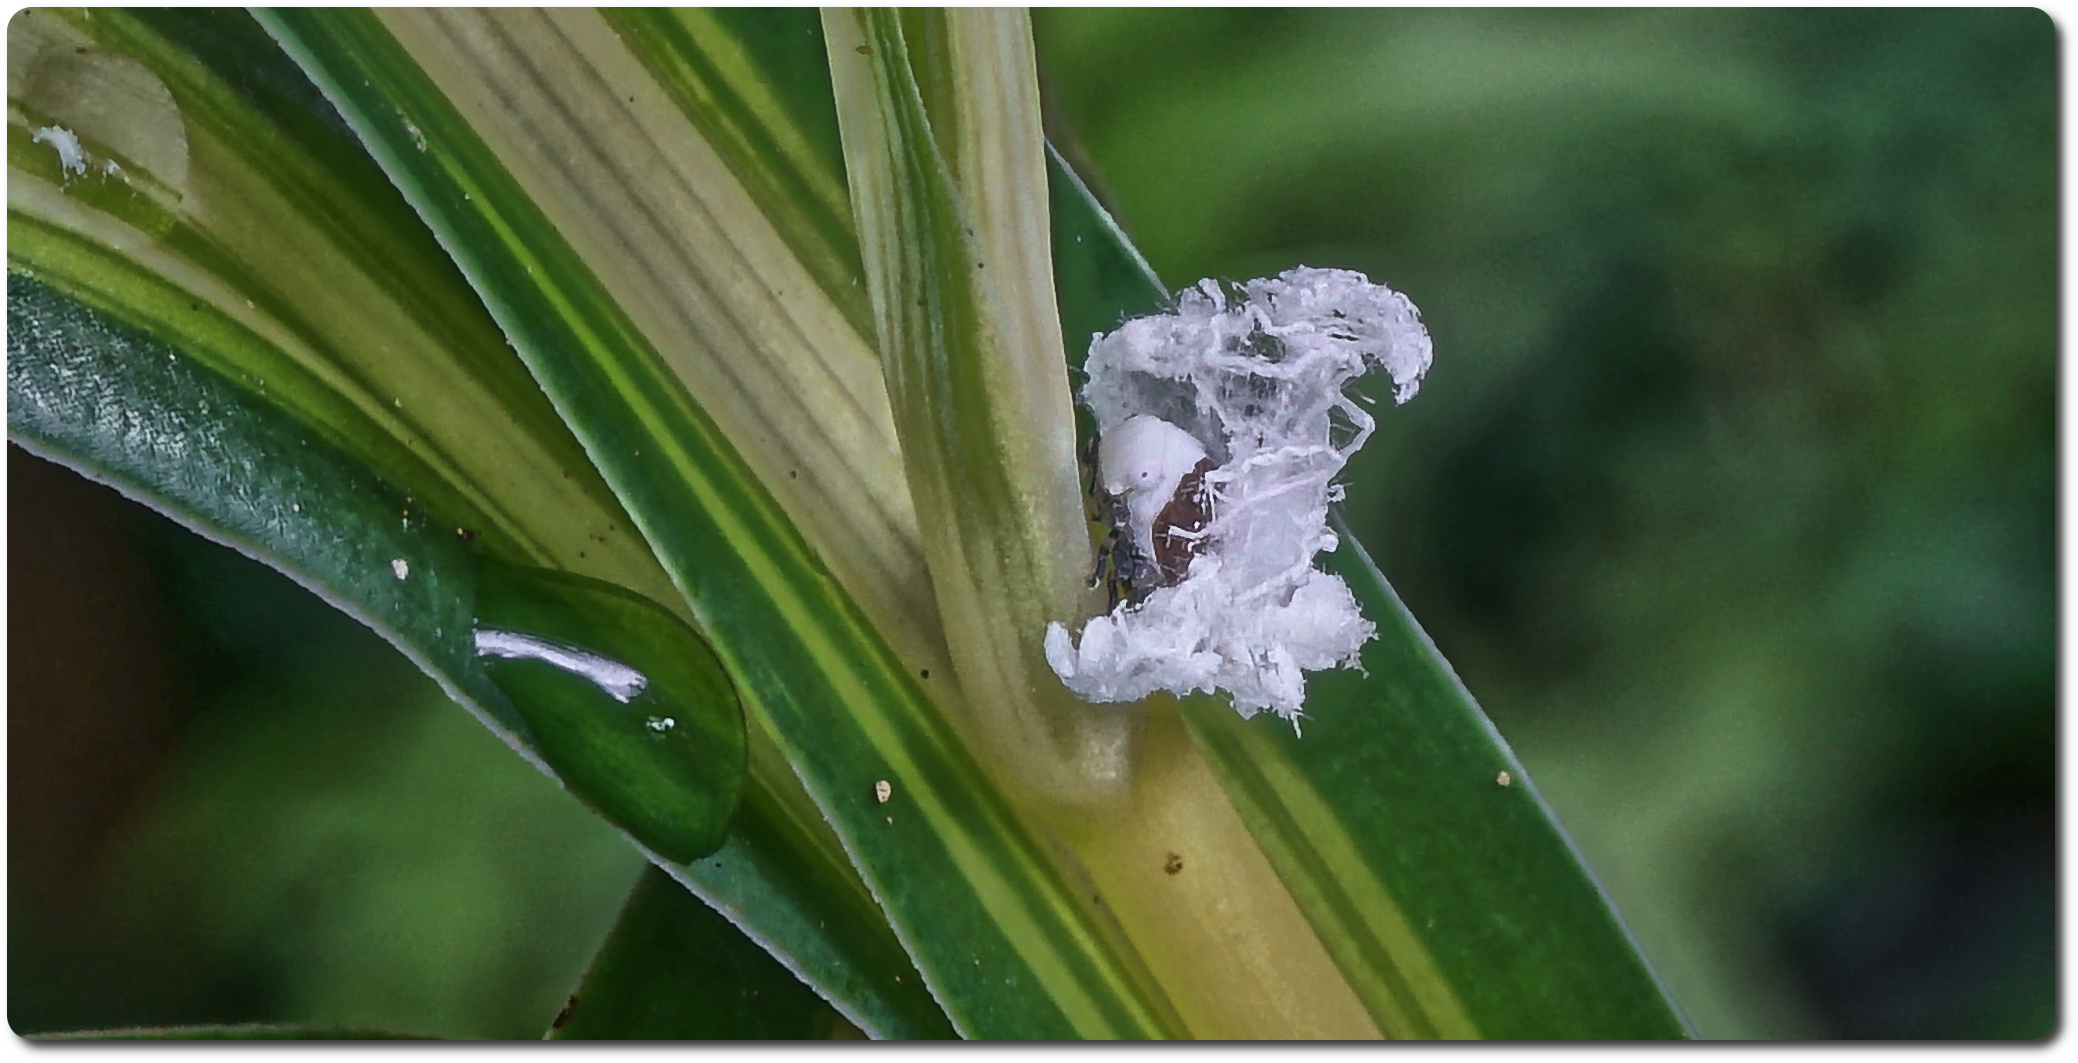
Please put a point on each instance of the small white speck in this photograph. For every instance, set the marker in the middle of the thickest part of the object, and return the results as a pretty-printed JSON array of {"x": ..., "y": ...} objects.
[
  {"x": 296, "y": 507},
  {"x": 401, "y": 567},
  {"x": 882, "y": 790},
  {"x": 661, "y": 724},
  {"x": 418, "y": 139}
]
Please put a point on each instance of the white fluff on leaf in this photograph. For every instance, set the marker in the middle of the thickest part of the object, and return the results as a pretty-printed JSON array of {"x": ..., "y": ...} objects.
[{"x": 1255, "y": 376}]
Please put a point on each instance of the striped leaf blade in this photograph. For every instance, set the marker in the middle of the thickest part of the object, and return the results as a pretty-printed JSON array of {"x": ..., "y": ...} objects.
[
  {"x": 690, "y": 370},
  {"x": 257, "y": 243},
  {"x": 1445, "y": 889}
]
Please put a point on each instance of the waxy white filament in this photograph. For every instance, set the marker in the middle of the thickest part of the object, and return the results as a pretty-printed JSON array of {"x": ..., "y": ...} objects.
[{"x": 1255, "y": 378}]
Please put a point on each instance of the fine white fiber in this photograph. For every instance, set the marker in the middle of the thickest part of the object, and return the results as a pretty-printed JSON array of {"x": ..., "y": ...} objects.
[{"x": 1221, "y": 426}]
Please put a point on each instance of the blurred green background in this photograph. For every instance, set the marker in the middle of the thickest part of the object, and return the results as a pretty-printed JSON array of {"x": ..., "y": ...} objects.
[{"x": 1731, "y": 496}]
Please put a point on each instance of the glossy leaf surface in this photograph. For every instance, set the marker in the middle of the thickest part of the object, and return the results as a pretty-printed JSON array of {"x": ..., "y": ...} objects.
[
  {"x": 993, "y": 930},
  {"x": 289, "y": 273}
]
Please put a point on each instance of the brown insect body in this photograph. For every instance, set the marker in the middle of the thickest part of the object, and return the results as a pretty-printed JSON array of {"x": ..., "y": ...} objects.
[
  {"x": 1177, "y": 536},
  {"x": 1179, "y": 529}
]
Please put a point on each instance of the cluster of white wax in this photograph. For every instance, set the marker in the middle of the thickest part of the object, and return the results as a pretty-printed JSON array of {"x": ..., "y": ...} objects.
[{"x": 1256, "y": 376}]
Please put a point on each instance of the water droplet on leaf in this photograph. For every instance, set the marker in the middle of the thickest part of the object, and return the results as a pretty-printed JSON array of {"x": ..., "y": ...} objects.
[{"x": 624, "y": 700}]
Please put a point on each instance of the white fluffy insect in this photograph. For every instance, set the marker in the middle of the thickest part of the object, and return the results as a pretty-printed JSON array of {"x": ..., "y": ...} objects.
[{"x": 1221, "y": 427}]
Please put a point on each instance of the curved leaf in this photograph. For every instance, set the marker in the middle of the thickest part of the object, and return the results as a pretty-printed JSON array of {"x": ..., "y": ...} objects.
[
  {"x": 755, "y": 84},
  {"x": 955, "y": 250},
  {"x": 134, "y": 413},
  {"x": 941, "y": 122},
  {"x": 1420, "y": 847},
  {"x": 210, "y": 208},
  {"x": 1445, "y": 890},
  {"x": 674, "y": 970},
  {"x": 518, "y": 110},
  {"x": 277, "y": 257}
]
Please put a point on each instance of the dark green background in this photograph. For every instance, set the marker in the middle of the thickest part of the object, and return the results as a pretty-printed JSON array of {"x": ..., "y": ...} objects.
[{"x": 1731, "y": 495}]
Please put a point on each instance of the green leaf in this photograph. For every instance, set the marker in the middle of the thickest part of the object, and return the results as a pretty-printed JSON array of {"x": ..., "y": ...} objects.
[
  {"x": 226, "y": 310},
  {"x": 755, "y": 83},
  {"x": 955, "y": 245},
  {"x": 943, "y": 147},
  {"x": 1411, "y": 836},
  {"x": 1098, "y": 275},
  {"x": 133, "y": 412},
  {"x": 246, "y": 242},
  {"x": 529, "y": 175},
  {"x": 674, "y": 970},
  {"x": 1417, "y": 843}
]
